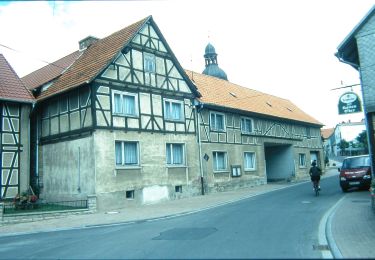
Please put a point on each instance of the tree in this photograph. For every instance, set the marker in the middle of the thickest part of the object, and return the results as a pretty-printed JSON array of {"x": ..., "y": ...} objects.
[
  {"x": 343, "y": 145},
  {"x": 362, "y": 139}
]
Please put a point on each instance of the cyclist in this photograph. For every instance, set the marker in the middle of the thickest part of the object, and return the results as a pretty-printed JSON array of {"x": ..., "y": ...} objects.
[{"x": 315, "y": 173}]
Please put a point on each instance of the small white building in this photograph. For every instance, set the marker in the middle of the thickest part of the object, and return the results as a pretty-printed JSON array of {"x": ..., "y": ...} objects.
[{"x": 347, "y": 131}]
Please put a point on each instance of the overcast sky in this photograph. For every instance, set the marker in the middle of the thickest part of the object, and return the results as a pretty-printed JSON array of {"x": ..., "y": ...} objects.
[{"x": 280, "y": 47}]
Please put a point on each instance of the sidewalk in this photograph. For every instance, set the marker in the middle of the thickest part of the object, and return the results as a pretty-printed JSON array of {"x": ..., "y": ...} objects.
[{"x": 140, "y": 212}]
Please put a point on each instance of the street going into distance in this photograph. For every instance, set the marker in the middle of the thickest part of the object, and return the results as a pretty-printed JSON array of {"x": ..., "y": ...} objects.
[{"x": 278, "y": 224}]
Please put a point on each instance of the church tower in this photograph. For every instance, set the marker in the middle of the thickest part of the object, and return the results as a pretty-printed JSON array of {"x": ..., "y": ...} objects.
[{"x": 212, "y": 68}]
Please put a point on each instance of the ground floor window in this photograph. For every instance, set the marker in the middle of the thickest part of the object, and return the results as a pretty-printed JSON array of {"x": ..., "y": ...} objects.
[
  {"x": 127, "y": 153},
  {"x": 220, "y": 161},
  {"x": 175, "y": 154},
  {"x": 249, "y": 161},
  {"x": 302, "y": 160}
]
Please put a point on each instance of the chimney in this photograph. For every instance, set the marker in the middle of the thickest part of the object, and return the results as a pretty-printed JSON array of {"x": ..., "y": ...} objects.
[{"x": 86, "y": 42}]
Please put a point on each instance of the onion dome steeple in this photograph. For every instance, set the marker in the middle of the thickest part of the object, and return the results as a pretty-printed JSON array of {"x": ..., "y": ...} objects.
[{"x": 212, "y": 68}]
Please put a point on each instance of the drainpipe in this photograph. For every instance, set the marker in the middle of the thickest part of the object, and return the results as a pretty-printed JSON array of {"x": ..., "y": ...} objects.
[{"x": 199, "y": 143}]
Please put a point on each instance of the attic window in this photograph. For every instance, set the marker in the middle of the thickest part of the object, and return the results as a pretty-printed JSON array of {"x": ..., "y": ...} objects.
[
  {"x": 233, "y": 94},
  {"x": 46, "y": 86},
  {"x": 289, "y": 109},
  {"x": 269, "y": 104}
]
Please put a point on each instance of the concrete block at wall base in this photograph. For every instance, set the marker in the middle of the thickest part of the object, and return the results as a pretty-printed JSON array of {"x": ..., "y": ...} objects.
[{"x": 91, "y": 203}]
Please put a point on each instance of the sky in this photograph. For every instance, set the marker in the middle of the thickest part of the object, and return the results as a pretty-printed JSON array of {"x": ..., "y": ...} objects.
[{"x": 281, "y": 47}]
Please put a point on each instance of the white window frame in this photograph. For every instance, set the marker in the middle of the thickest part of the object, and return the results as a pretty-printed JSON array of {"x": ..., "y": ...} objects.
[
  {"x": 149, "y": 62},
  {"x": 247, "y": 119},
  {"x": 215, "y": 162},
  {"x": 213, "y": 124},
  {"x": 173, "y": 164},
  {"x": 254, "y": 161},
  {"x": 123, "y": 94},
  {"x": 302, "y": 163},
  {"x": 173, "y": 101},
  {"x": 123, "y": 163}
]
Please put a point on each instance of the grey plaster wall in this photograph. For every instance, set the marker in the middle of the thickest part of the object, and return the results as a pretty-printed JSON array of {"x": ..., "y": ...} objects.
[
  {"x": 68, "y": 169},
  {"x": 366, "y": 46},
  {"x": 223, "y": 180},
  {"x": 24, "y": 159},
  {"x": 152, "y": 176}
]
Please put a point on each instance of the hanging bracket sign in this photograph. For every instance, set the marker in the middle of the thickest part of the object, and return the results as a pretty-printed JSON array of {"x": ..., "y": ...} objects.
[{"x": 349, "y": 102}]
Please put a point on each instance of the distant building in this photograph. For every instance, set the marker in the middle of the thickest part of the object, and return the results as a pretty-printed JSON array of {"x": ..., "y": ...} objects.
[
  {"x": 358, "y": 51},
  {"x": 347, "y": 131},
  {"x": 327, "y": 145}
]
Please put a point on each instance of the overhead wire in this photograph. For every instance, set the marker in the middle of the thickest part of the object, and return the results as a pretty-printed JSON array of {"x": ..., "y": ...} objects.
[{"x": 44, "y": 61}]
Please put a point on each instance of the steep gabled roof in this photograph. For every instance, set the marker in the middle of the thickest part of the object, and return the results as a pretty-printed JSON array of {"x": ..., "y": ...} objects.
[
  {"x": 49, "y": 72},
  {"x": 218, "y": 92},
  {"x": 326, "y": 133},
  {"x": 347, "y": 50},
  {"x": 11, "y": 86},
  {"x": 93, "y": 60}
]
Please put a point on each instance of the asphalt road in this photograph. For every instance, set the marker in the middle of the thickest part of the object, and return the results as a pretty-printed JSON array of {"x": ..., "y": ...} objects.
[{"x": 278, "y": 224}]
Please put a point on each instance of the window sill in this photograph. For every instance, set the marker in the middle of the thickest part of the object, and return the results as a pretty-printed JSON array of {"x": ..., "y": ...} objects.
[
  {"x": 250, "y": 170},
  {"x": 221, "y": 171},
  {"x": 123, "y": 115},
  {"x": 137, "y": 167},
  {"x": 176, "y": 166}
]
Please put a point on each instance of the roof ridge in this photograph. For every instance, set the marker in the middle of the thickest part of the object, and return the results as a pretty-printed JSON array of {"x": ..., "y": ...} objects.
[
  {"x": 240, "y": 86},
  {"x": 94, "y": 59},
  {"x": 17, "y": 78}
]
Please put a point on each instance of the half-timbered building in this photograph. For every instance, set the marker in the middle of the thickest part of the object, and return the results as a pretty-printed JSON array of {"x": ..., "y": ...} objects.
[
  {"x": 15, "y": 106},
  {"x": 118, "y": 122},
  {"x": 119, "y": 119}
]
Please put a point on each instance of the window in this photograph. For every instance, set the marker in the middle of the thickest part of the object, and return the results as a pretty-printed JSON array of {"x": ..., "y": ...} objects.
[
  {"x": 220, "y": 161},
  {"x": 126, "y": 153},
  {"x": 125, "y": 103},
  {"x": 149, "y": 62},
  {"x": 54, "y": 109},
  {"x": 302, "y": 160},
  {"x": 64, "y": 104},
  {"x": 178, "y": 189},
  {"x": 129, "y": 194},
  {"x": 73, "y": 101},
  {"x": 249, "y": 161},
  {"x": 217, "y": 121},
  {"x": 175, "y": 154},
  {"x": 246, "y": 125},
  {"x": 173, "y": 110}
]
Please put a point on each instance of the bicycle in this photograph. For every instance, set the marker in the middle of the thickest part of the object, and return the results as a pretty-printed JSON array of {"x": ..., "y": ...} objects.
[{"x": 316, "y": 188}]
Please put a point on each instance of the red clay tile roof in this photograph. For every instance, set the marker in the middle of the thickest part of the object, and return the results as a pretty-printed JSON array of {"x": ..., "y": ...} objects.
[
  {"x": 93, "y": 60},
  {"x": 326, "y": 133},
  {"x": 223, "y": 93},
  {"x": 11, "y": 87},
  {"x": 49, "y": 72}
]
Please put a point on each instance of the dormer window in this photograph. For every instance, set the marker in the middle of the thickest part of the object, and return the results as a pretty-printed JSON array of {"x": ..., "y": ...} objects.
[{"x": 149, "y": 62}]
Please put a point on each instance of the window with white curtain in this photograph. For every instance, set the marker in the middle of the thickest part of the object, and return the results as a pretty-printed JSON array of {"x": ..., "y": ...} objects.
[
  {"x": 127, "y": 153},
  {"x": 175, "y": 154},
  {"x": 219, "y": 161},
  {"x": 149, "y": 62},
  {"x": 125, "y": 103},
  {"x": 246, "y": 125},
  {"x": 302, "y": 160},
  {"x": 173, "y": 110},
  {"x": 249, "y": 161},
  {"x": 217, "y": 121}
]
